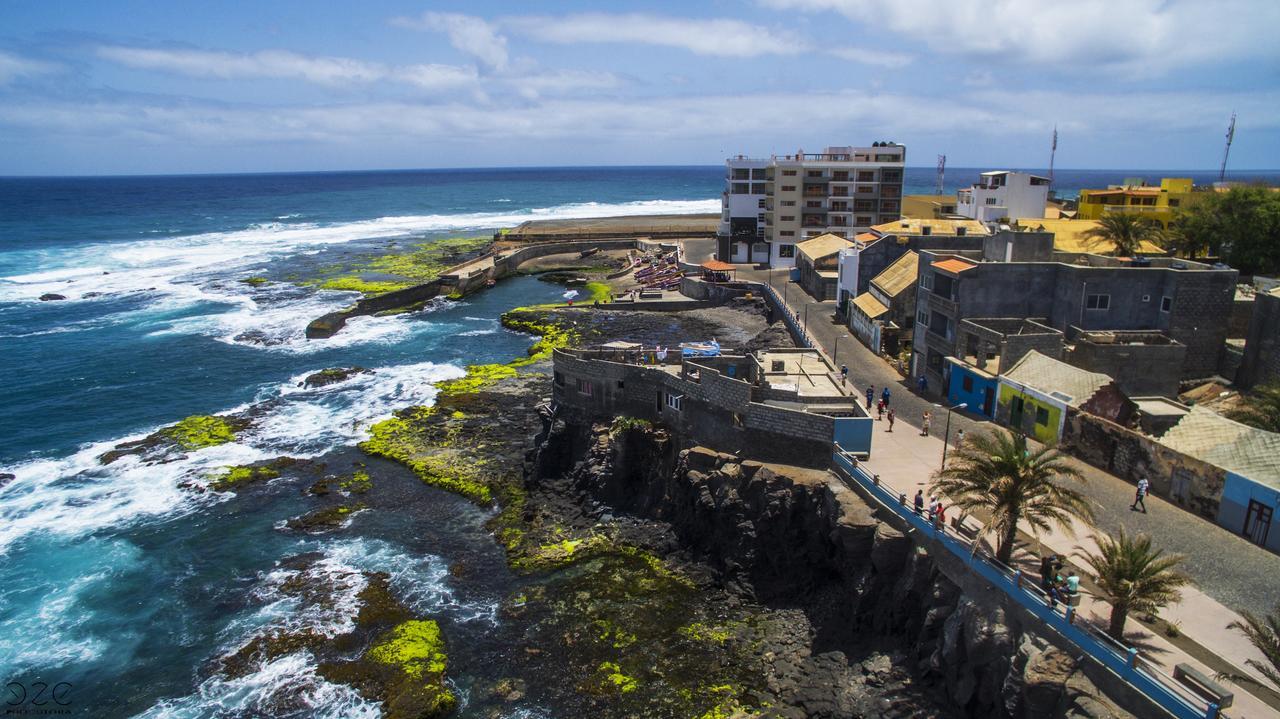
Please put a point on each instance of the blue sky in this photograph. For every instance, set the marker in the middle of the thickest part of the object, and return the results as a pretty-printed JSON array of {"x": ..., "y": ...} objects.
[{"x": 167, "y": 87}]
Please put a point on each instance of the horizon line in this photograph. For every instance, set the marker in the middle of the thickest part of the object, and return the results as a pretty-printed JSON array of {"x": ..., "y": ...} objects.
[{"x": 480, "y": 168}]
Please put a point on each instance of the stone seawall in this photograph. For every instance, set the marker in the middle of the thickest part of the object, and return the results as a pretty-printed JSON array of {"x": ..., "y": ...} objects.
[{"x": 799, "y": 537}]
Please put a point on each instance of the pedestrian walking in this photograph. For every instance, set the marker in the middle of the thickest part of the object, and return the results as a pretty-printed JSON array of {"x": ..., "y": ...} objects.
[
  {"x": 940, "y": 519},
  {"x": 923, "y": 383},
  {"x": 890, "y": 416},
  {"x": 919, "y": 501},
  {"x": 924, "y": 424},
  {"x": 844, "y": 373},
  {"x": 880, "y": 409},
  {"x": 959, "y": 437},
  {"x": 885, "y": 396},
  {"x": 1140, "y": 495},
  {"x": 871, "y": 392},
  {"x": 933, "y": 506}
]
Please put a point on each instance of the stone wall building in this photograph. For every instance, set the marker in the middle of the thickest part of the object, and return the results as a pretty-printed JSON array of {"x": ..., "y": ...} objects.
[
  {"x": 816, "y": 262},
  {"x": 1261, "y": 361},
  {"x": 784, "y": 405},
  {"x": 1189, "y": 303}
]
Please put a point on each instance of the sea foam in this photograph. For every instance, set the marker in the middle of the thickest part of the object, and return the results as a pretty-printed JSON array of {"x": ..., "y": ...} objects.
[{"x": 76, "y": 495}]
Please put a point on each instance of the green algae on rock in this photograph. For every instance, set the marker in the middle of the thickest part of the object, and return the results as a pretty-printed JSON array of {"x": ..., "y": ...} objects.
[
  {"x": 381, "y": 274},
  {"x": 200, "y": 431},
  {"x": 478, "y": 377},
  {"x": 254, "y": 281},
  {"x": 406, "y": 438},
  {"x": 322, "y": 520},
  {"x": 234, "y": 477},
  {"x": 404, "y": 669}
]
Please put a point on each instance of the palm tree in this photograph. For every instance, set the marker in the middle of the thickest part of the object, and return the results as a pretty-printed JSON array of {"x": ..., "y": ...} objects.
[
  {"x": 1125, "y": 231},
  {"x": 994, "y": 474},
  {"x": 1134, "y": 576},
  {"x": 1264, "y": 634},
  {"x": 1261, "y": 408}
]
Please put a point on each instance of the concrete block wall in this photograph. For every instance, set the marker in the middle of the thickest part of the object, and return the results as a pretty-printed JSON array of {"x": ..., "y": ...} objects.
[
  {"x": 1261, "y": 361},
  {"x": 1138, "y": 369}
]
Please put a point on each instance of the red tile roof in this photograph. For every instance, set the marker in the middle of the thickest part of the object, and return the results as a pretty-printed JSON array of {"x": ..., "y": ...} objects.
[{"x": 954, "y": 265}]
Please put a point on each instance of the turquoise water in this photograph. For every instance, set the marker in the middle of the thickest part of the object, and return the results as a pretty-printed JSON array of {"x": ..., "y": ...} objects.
[{"x": 126, "y": 585}]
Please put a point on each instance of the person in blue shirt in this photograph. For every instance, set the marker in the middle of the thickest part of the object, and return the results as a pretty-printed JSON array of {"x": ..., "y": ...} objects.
[
  {"x": 885, "y": 396},
  {"x": 871, "y": 392}
]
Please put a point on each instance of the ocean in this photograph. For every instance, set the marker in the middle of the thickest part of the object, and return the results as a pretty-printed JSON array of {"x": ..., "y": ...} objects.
[{"x": 123, "y": 583}]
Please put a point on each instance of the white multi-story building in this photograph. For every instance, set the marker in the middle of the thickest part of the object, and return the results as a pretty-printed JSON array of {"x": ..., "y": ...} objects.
[
  {"x": 842, "y": 190},
  {"x": 742, "y": 210},
  {"x": 1003, "y": 194}
]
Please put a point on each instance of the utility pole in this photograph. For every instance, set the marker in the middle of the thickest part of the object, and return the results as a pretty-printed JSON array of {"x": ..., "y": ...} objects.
[
  {"x": 942, "y": 168},
  {"x": 1231, "y": 135}
]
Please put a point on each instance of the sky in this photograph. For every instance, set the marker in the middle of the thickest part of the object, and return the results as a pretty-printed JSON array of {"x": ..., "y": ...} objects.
[{"x": 138, "y": 87}]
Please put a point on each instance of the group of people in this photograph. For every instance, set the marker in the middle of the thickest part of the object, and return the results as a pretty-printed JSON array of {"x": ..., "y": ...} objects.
[
  {"x": 936, "y": 512},
  {"x": 1056, "y": 586},
  {"x": 883, "y": 410}
]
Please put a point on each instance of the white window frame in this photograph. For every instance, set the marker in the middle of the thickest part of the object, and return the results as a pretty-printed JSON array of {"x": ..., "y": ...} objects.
[
  {"x": 586, "y": 388},
  {"x": 1166, "y": 304},
  {"x": 675, "y": 401}
]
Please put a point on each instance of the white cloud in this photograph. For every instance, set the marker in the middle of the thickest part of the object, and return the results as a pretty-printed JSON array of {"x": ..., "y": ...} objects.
[
  {"x": 437, "y": 77},
  {"x": 1142, "y": 37},
  {"x": 871, "y": 56},
  {"x": 719, "y": 37},
  {"x": 13, "y": 67},
  {"x": 467, "y": 33},
  {"x": 280, "y": 64}
]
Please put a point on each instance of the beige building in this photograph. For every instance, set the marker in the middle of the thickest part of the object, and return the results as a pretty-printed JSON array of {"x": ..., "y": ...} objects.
[
  {"x": 816, "y": 260},
  {"x": 841, "y": 191}
]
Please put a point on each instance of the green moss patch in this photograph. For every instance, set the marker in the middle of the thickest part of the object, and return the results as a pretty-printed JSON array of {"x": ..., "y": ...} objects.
[
  {"x": 419, "y": 265},
  {"x": 235, "y": 477},
  {"x": 407, "y": 439},
  {"x": 199, "y": 431},
  {"x": 416, "y": 648},
  {"x": 254, "y": 281},
  {"x": 477, "y": 378}
]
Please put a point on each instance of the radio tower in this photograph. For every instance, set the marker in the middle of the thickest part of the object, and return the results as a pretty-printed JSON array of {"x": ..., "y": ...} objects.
[
  {"x": 942, "y": 168},
  {"x": 1231, "y": 135},
  {"x": 1053, "y": 150}
]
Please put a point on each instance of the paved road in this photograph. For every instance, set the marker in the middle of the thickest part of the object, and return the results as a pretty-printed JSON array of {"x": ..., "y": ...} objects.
[{"x": 1240, "y": 575}]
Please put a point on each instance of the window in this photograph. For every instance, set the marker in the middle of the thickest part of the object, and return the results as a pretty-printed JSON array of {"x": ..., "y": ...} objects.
[
  {"x": 585, "y": 388},
  {"x": 788, "y": 233},
  {"x": 967, "y": 383},
  {"x": 787, "y": 250},
  {"x": 788, "y": 173},
  {"x": 1146, "y": 298},
  {"x": 866, "y": 176},
  {"x": 992, "y": 200},
  {"x": 674, "y": 401},
  {"x": 757, "y": 188},
  {"x": 813, "y": 203},
  {"x": 788, "y": 218},
  {"x": 741, "y": 174},
  {"x": 788, "y": 188},
  {"x": 1042, "y": 416},
  {"x": 622, "y": 384},
  {"x": 1098, "y": 302},
  {"x": 926, "y": 280},
  {"x": 922, "y": 318},
  {"x": 1166, "y": 304},
  {"x": 741, "y": 188},
  {"x": 813, "y": 173},
  {"x": 788, "y": 203},
  {"x": 758, "y": 173},
  {"x": 1174, "y": 203},
  {"x": 760, "y": 204}
]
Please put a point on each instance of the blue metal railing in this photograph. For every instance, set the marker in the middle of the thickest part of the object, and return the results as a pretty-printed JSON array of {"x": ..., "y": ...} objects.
[{"x": 1122, "y": 660}]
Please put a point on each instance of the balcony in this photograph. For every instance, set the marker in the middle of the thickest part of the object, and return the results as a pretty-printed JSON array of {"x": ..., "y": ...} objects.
[
  {"x": 815, "y": 192},
  {"x": 839, "y": 192},
  {"x": 942, "y": 304}
]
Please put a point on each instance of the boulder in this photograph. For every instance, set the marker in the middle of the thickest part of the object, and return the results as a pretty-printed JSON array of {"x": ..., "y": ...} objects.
[
  {"x": 51, "y": 297},
  {"x": 889, "y": 549}
]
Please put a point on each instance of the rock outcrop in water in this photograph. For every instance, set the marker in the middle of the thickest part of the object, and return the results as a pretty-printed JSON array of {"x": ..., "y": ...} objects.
[{"x": 795, "y": 537}]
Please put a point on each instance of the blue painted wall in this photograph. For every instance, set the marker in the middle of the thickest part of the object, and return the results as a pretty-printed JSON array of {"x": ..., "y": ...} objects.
[
  {"x": 1237, "y": 491},
  {"x": 975, "y": 397},
  {"x": 853, "y": 434}
]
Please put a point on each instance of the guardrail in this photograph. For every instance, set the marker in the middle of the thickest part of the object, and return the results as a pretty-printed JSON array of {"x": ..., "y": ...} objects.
[
  {"x": 1124, "y": 661},
  {"x": 792, "y": 320}
]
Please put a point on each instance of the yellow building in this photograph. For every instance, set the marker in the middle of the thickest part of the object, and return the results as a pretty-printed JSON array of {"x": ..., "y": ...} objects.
[
  {"x": 928, "y": 206},
  {"x": 1157, "y": 203}
]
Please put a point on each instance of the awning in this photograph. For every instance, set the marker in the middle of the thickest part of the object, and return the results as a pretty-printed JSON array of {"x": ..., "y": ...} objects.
[{"x": 717, "y": 266}]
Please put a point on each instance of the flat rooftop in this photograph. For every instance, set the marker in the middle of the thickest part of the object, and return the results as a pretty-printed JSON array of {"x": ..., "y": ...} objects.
[{"x": 805, "y": 372}]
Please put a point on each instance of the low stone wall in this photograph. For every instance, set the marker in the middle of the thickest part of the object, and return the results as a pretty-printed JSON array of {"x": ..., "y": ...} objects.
[{"x": 1187, "y": 481}]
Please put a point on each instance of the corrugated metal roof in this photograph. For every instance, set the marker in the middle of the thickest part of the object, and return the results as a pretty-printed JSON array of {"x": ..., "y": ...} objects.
[
  {"x": 869, "y": 305},
  {"x": 954, "y": 265},
  {"x": 1072, "y": 385},
  {"x": 1069, "y": 236},
  {"x": 1238, "y": 448},
  {"x": 898, "y": 276},
  {"x": 915, "y": 225},
  {"x": 823, "y": 246}
]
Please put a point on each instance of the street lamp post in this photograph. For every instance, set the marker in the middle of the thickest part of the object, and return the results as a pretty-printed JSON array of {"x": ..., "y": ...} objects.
[{"x": 946, "y": 435}]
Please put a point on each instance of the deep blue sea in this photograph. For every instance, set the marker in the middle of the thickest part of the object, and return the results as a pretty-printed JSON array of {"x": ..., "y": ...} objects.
[{"x": 125, "y": 585}]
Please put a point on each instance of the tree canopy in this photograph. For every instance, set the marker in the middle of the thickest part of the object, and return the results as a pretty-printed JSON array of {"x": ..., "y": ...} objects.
[{"x": 1241, "y": 225}]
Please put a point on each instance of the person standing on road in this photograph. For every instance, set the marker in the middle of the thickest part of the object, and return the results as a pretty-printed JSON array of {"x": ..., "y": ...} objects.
[
  {"x": 885, "y": 396},
  {"x": 924, "y": 424},
  {"x": 1140, "y": 496},
  {"x": 871, "y": 393},
  {"x": 844, "y": 373},
  {"x": 919, "y": 502},
  {"x": 890, "y": 416},
  {"x": 923, "y": 383},
  {"x": 959, "y": 437},
  {"x": 880, "y": 409}
]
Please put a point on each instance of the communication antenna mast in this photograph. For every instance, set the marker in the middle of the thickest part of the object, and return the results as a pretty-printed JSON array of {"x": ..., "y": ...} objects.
[
  {"x": 942, "y": 168},
  {"x": 1231, "y": 135},
  {"x": 1053, "y": 151}
]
